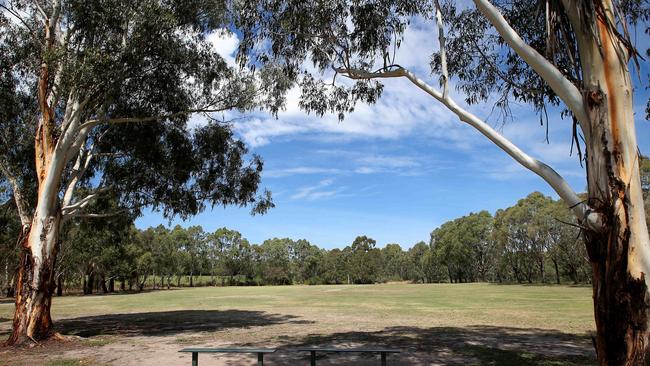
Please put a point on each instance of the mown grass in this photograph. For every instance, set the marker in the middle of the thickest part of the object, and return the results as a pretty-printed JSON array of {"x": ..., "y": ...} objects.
[{"x": 563, "y": 308}]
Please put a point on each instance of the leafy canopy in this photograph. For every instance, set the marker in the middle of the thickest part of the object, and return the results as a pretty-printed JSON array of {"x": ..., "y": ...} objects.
[{"x": 135, "y": 70}]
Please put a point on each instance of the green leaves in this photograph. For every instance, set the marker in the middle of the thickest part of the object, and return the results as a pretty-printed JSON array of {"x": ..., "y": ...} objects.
[
  {"x": 288, "y": 36},
  {"x": 127, "y": 59}
]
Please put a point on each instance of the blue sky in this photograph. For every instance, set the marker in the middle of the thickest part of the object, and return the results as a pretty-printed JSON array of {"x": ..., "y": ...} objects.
[{"x": 393, "y": 171}]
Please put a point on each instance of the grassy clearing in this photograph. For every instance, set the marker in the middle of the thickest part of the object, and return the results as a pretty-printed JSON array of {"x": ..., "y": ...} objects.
[
  {"x": 568, "y": 309},
  {"x": 481, "y": 323}
]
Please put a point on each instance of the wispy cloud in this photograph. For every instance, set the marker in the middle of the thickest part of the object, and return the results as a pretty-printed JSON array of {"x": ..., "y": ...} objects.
[
  {"x": 349, "y": 162},
  {"x": 277, "y": 173},
  {"x": 321, "y": 190},
  {"x": 389, "y": 161}
]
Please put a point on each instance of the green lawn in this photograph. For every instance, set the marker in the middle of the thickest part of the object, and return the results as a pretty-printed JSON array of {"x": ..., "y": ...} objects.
[
  {"x": 568, "y": 309},
  {"x": 482, "y": 318}
]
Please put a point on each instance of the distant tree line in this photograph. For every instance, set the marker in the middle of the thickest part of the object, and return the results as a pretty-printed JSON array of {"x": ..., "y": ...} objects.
[{"x": 534, "y": 241}]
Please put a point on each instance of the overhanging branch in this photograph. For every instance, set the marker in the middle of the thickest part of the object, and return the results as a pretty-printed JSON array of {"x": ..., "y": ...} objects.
[
  {"x": 95, "y": 122},
  {"x": 562, "y": 86},
  {"x": 589, "y": 218}
]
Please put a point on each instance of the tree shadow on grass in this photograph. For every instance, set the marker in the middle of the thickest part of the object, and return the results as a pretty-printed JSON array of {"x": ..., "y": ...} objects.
[
  {"x": 473, "y": 345},
  {"x": 170, "y": 322}
]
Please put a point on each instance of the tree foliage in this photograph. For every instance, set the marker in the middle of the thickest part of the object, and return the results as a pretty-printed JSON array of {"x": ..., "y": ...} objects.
[
  {"x": 528, "y": 242},
  {"x": 134, "y": 71}
]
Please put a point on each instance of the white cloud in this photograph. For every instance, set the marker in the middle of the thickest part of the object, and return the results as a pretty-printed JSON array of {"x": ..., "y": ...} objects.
[
  {"x": 318, "y": 191},
  {"x": 402, "y": 111},
  {"x": 389, "y": 161},
  {"x": 225, "y": 43},
  {"x": 276, "y": 173},
  {"x": 347, "y": 162},
  {"x": 366, "y": 170}
]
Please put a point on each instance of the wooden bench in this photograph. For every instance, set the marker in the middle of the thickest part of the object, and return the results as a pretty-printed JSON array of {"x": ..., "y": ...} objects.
[
  {"x": 383, "y": 351},
  {"x": 260, "y": 352}
]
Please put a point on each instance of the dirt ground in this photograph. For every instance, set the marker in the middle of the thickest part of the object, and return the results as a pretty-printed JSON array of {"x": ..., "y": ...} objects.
[{"x": 127, "y": 339}]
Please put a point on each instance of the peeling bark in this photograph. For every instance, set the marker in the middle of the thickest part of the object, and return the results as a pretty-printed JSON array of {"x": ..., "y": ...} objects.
[
  {"x": 620, "y": 254},
  {"x": 620, "y": 290},
  {"x": 35, "y": 283}
]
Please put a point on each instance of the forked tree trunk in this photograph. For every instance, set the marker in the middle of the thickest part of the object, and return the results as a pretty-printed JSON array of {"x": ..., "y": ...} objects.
[
  {"x": 620, "y": 254},
  {"x": 39, "y": 238}
]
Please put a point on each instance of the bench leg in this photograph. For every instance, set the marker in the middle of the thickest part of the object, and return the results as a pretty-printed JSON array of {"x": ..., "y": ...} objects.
[
  {"x": 313, "y": 358},
  {"x": 195, "y": 359},
  {"x": 383, "y": 359},
  {"x": 260, "y": 359}
]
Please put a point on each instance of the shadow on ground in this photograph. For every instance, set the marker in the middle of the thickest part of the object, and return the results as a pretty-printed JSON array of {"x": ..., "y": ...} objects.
[
  {"x": 474, "y": 345},
  {"x": 170, "y": 322}
]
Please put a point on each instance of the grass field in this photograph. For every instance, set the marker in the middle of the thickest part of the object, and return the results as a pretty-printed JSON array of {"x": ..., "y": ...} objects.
[{"x": 432, "y": 324}]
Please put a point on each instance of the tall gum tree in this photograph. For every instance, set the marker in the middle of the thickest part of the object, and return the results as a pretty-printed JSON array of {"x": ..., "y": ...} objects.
[
  {"x": 576, "y": 54},
  {"x": 100, "y": 94}
]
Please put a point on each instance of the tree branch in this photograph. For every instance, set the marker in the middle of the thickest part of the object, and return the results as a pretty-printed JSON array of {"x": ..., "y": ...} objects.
[
  {"x": 19, "y": 197},
  {"x": 65, "y": 210},
  {"x": 443, "y": 52},
  {"x": 562, "y": 86},
  {"x": 94, "y": 122},
  {"x": 585, "y": 214},
  {"x": 96, "y": 215}
]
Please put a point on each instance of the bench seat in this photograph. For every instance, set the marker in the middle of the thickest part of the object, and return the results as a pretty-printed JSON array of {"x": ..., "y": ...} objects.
[
  {"x": 195, "y": 352},
  {"x": 382, "y": 351}
]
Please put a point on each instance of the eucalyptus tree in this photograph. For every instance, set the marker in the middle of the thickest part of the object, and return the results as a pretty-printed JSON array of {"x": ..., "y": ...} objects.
[
  {"x": 453, "y": 252},
  {"x": 276, "y": 261},
  {"x": 420, "y": 261},
  {"x": 303, "y": 260},
  {"x": 364, "y": 261},
  {"x": 645, "y": 185},
  {"x": 9, "y": 229},
  {"x": 522, "y": 243},
  {"x": 94, "y": 248},
  {"x": 394, "y": 262},
  {"x": 465, "y": 244},
  {"x": 568, "y": 255},
  {"x": 192, "y": 242},
  {"x": 100, "y": 95},
  {"x": 576, "y": 54},
  {"x": 333, "y": 267},
  {"x": 235, "y": 252}
]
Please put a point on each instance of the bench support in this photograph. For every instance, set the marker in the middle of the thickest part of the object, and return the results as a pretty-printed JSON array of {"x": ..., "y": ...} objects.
[
  {"x": 195, "y": 359},
  {"x": 260, "y": 359},
  {"x": 313, "y": 358}
]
